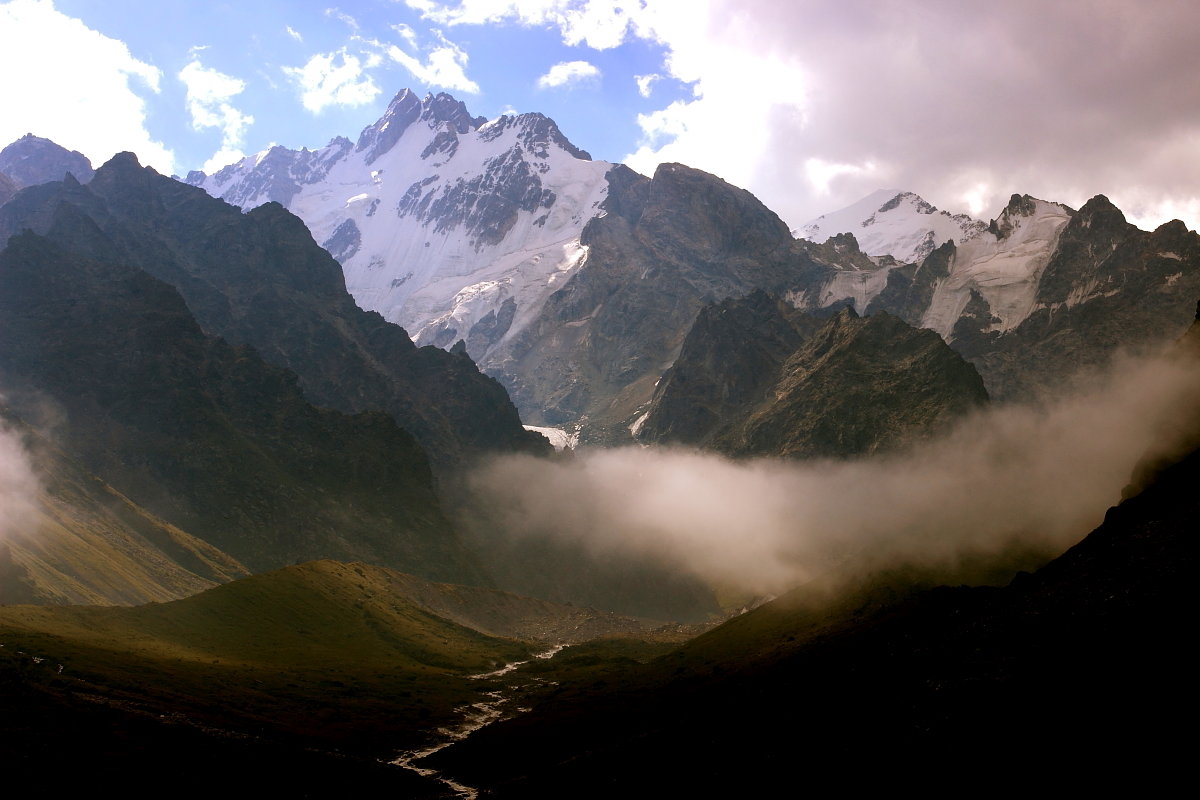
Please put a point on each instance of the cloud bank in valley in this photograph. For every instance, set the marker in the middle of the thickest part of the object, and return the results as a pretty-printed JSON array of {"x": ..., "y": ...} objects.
[{"x": 1037, "y": 478}]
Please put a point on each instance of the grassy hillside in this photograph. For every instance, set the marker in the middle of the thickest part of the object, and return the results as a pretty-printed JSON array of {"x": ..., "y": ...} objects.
[
  {"x": 73, "y": 538},
  {"x": 318, "y": 658},
  {"x": 321, "y": 655}
]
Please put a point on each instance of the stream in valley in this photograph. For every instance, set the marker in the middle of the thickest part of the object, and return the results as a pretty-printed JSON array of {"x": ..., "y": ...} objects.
[{"x": 474, "y": 717}]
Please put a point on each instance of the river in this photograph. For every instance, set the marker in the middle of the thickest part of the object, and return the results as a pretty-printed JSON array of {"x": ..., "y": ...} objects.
[{"x": 475, "y": 716}]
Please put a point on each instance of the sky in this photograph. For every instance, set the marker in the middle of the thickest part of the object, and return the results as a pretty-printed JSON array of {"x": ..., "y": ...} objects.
[{"x": 810, "y": 104}]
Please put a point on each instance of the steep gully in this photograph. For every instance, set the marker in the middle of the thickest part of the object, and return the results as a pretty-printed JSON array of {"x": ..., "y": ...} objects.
[{"x": 475, "y": 717}]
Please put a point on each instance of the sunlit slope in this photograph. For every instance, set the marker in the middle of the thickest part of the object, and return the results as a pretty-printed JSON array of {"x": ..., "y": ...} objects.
[
  {"x": 73, "y": 538},
  {"x": 307, "y": 617}
]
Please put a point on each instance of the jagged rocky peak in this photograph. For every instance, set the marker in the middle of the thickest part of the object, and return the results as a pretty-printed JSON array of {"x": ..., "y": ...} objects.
[
  {"x": 438, "y": 111},
  {"x": 535, "y": 132},
  {"x": 844, "y": 242},
  {"x": 31, "y": 160},
  {"x": 1100, "y": 212},
  {"x": 453, "y": 226},
  {"x": 917, "y": 202},
  {"x": 378, "y": 138},
  {"x": 710, "y": 213},
  {"x": 271, "y": 175},
  {"x": 441, "y": 107},
  {"x": 1020, "y": 206}
]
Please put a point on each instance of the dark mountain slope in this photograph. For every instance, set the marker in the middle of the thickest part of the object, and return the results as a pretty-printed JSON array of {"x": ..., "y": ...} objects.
[
  {"x": 666, "y": 247},
  {"x": 729, "y": 362},
  {"x": 288, "y": 668},
  {"x": 756, "y": 377},
  {"x": 31, "y": 160},
  {"x": 201, "y": 433},
  {"x": 8, "y": 188},
  {"x": 259, "y": 279}
]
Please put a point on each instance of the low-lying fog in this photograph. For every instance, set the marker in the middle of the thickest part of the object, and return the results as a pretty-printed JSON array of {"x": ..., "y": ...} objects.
[{"x": 1031, "y": 477}]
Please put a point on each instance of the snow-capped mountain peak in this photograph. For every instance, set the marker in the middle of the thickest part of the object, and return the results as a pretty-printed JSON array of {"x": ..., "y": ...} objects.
[
  {"x": 893, "y": 222},
  {"x": 454, "y": 226},
  {"x": 441, "y": 113}
]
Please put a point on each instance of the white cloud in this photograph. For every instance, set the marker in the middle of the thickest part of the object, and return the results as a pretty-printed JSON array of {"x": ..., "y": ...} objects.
[
  {"x": 208, "y": 94},
  {"x": 568, "y": 73},
  {"x": 407, "y": 34},
  {"x": 71, "y": 84},
  {"x": 445, "y": 63},
  {"x": 599, "y": 24},
  {"x": 349, "y": 21},
  {"x": 295, "y": 34},
  {"x": 325, "y": 82},
  {"x": 822, "y": 173},
  {"x": 646, "y": 82}
]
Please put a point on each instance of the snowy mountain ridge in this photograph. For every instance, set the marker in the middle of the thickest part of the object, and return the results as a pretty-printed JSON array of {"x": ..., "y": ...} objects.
[
  {"x": 1002, "y": 262},
  {"x": 893, "y": 222},
  {"x": 453, "y": 226}
]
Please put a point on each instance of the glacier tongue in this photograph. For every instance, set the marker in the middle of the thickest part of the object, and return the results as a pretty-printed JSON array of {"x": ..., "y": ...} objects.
[
  {"x": 452, "y": 226},
  {"x": 1004, "y": 264}
]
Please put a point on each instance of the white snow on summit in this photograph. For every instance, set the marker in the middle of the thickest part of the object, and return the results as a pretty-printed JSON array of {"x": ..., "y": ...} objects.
[
  {"x": 1003, "y": 262},
  {"x": 893, "y": 222},
  {"x": 452, "y": 226}
]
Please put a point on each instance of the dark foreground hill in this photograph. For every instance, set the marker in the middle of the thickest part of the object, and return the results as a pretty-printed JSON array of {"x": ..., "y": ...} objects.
[{"x": 296, "y": 679}]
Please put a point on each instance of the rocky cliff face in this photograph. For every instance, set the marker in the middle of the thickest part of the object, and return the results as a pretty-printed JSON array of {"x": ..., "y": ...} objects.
[
  {"x": 259, "y": 279},
  {"x": 31, "y": 160},
  {"x": 729, "y": 363},
  {"x": 665, "y": 247},
  {"x": 755, "y": 377}
]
